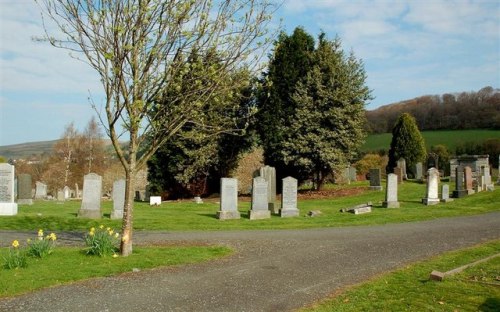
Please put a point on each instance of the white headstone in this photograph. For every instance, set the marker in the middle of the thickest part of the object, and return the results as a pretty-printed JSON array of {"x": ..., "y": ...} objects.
[
  {"x": 228, "y": 199},
  {"x": 7, "y": 205},
  {"x": 154, "y": 200},
  {"x": 260, "y": 208},
  {"x": 269, "y": 174},
  {"x": 40, "y": 190},
  {"x": 118, "y": 199},
  {"x": 67, "y": 192},
  {"x": 289, "y": 198},
  {"x": 91, "y": 199},
  {"x": 445, "y": 194},
  {"x": 391, "y": 195},
  {"x": 432, "y": 194}
]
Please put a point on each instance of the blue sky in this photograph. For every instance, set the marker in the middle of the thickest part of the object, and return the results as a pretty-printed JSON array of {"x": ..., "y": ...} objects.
[{"x": 409, "y": 48}]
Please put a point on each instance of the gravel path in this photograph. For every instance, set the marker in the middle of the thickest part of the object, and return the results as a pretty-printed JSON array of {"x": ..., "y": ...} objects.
[{"x": 270, "y": 270}]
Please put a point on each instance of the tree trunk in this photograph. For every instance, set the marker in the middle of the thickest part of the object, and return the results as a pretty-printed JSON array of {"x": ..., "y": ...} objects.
[{"x": 127, "y": 224}]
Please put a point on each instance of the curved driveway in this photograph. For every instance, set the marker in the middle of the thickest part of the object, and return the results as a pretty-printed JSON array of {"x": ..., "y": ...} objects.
[{"x": 270, "y": 271}]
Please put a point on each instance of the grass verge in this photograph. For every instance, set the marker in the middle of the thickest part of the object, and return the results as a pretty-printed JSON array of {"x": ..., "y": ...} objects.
[
  {"x": 69, "y": 264},
  {"x": 409, "y": 289}
]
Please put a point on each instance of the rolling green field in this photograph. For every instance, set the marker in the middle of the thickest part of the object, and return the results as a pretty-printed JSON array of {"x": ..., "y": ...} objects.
[{"x": 449, "y": 138}]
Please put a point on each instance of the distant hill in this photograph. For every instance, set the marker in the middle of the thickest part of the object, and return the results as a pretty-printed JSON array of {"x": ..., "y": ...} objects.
[
  {"x": 449, "y": 111},
  {"x": 26, "y": 150}
]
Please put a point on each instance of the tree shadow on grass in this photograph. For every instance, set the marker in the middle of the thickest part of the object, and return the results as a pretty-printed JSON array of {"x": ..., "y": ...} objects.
[
  {"x": 490, "y": 304},
  {"x": 208, "y": 215}
]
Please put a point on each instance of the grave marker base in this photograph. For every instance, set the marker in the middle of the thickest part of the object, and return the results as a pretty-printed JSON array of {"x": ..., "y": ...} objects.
[
  {"x": 288, "y": 213},
  {"x": 8, "y": 209},
  {"x": 259, "y": 214},
  {"x": 228, "y": 215}
]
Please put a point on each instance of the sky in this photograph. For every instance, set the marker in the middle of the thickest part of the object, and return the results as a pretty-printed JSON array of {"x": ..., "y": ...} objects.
[{"x": 409, "y": 49}]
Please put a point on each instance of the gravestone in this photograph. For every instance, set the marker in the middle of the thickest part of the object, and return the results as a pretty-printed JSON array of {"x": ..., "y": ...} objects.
[
  {"x": 468, "y": 182},
  {"x": 40, "y": 190},
  {"x": 24, "y": 191},
  {"x": 7, "y": 205},
  {"x": 352, "y": 174},
  {"x": 432, "y": 194},
  {"x": 154, "y": 200},
  {"x": 228, "y": 199},
  {"x": 138, "y": 196},
  {"x": 399, "y": 174},
  {"x": 459, "y": 191},
  {"x": 60, "y": 195},
  {"x": 375, "y": 179},
  {"x": 118, "y": 199},
  {"x": 359, "y": 209},
  {"x": 260, "y": 208},
  {"x": 289, "y": 198},
  {"x": 418, "y": 171},
  {"x": 269, "y": 174},
  {"x": 67, "y": 192},
  {"x": 445, "y": 194},
  {"x": 91, "y": 199},
  {"x": 402, "y": 164},
  {"x": 391, "y": 192},
  {"x": 487, "y": 178}
]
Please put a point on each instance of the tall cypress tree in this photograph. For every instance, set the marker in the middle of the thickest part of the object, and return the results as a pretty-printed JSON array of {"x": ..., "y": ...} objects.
[{"x": 407, "y": 142}]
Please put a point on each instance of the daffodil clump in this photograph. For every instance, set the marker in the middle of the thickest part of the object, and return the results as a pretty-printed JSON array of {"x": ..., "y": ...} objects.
[
  {"x": 16, "y": 257},
  {"x": 102, "y": 241},
  {"x": 42, "y": 245}
]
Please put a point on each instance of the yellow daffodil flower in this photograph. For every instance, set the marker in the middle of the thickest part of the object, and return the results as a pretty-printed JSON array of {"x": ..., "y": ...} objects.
[{"x": 15, "y": 243}]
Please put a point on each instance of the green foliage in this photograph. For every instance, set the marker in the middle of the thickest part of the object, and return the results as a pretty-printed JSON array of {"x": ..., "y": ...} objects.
[
  {"x": 101, "y": 242},
  {"x": 443, "y": 157},
  {"x": 407, "y": 143},
  {"x": 489, "y": 147},
  {"x": 41, "y": 246},
  {"x": 15, "y": 257},
  {"x": 370, "y": 161},
  {"x": 313, "y": 114}
]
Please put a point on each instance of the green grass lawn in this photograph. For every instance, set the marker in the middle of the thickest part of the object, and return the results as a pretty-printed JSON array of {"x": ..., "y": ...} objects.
[
  {"x": 189, "y": 216},
  {"x": 409, "y": 289},
  {"x": 69, "y": 264},
  {"x": 449, "y": 138}
]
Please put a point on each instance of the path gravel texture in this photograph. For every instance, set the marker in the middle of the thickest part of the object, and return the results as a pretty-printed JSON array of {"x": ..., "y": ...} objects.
[{"x": 270, "y": 271}]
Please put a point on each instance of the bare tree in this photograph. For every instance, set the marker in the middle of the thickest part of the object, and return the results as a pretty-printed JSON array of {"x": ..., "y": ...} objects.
[{"x": 141, "y": 48}]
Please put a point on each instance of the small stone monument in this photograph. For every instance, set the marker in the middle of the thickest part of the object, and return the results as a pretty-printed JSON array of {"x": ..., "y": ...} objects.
[
  {"x": 60, "y": 195},
  {"x": 398, "y": 171},
  {"x": 418, "y": 171},
  {"x": 289, "y": 198},
  {"x": 445, "y": 194},
  {"x": 391, "y": 195},
  {"x": 269, "y": 174},
  {"x": 260, "y": 206},
  {"x": 432, "y": 194},
  {"x": 487, "y": 178},
  {"x": 459, "y": 183},
  {"x": 228, "y": 199},
  {"x": 469, "y": 187},
  {"x": 24, "y": 195},
  {"x": 7, "y": 205},
  {"x": 40, "y": 190},
  {"x": 118, "y": 199},
  {"x": 375, "y": 179},
  {"x": 91, "y": 199},
  {"x": 401, "y": 163},
  {"x": 154, "y": 200},
  {"x": 67, "y": 192}
]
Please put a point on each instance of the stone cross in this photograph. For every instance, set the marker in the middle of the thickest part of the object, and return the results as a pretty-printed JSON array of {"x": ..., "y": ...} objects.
[
  {"x": 391, "y": 195},
  {"x": 289, "y": 198},
  {"x": 228, "y": 199},
  {"x": 432, "y": 194},
  {"x": 24, "y": 196},
  {"x": 7, "y": 205},
  {"x": 260, "y": 208},
  {"x": 91, "y": 199}
]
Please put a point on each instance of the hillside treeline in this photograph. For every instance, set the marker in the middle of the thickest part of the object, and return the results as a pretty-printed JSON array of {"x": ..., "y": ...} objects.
[{"x": 466, "y": 110}]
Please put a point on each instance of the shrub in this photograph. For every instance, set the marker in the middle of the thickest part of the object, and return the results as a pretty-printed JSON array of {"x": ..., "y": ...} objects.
[
  {"x": 370, "y": 161},
  {"x": 42, "y": 246},
  {"x": 15, "y": 258},
  {"x": 101, "y": 242}
]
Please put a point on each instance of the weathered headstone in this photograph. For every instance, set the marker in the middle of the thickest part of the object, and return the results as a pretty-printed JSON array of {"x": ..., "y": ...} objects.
[
  {"x": 391, "y": 195},
  {"x": 359, "y": 209},
  {"x": 375, "y": 179},
  {"x": 418, "y": 171},
  {"x": 260, "y": 206},
  {"x": 228, "y": 199},
  {"x": 401, "y": 163},
  {"x": 7, "y": 205},
  {"x": 459, "y": 191},
  {"x": 269, "y": 174},
  {"x": 445, "y": 194},
  {"x": 289, "y": 198},
  {"x": 487, "y": 178},
  {"x": 24, "y": 195},
  {"x": 154, "y": 200},
  {"x": 91, "y": 199},
  {"x": 399, "y": 174},
  {"x": 353, "y": 174},
  {"x": 468, "y": 182},
  {"x": 67, "y": 192},
  {"x": 118, "y": 199},
  {"x": 432, "y": 194},
  {"x": 60, "y": 195},
  {"x": 40, "y": 190}
]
